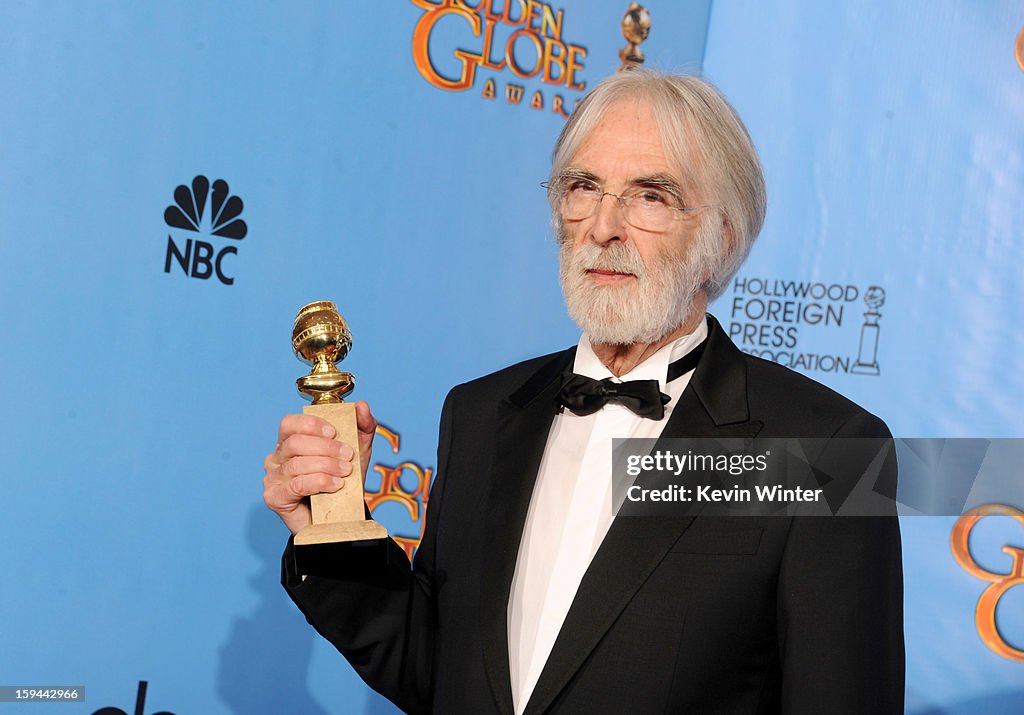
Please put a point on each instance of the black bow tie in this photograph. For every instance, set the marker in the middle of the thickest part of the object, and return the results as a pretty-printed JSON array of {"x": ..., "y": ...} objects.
[{"x": 585, "y": 395}]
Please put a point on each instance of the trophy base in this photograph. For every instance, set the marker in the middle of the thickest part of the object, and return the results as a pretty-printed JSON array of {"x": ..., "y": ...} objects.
[
  {"x": 333, "y": 550},
  {"x": 865, "y": 369},
  {"x": 340, "y": 532}
]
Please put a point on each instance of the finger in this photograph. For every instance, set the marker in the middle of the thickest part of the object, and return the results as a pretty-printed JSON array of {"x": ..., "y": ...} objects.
[
  {"x": 271, "y": 462},
  {"x": 299, "y": 466},
  {"x": 300, "y": 445},
  {"x": 310, "y": 484},
  {"x": 303, "y": 424},
  {"x": 291, "y": 494},
  {"x": 365, "y": 422},
  {"x": 366, "y": 426}
]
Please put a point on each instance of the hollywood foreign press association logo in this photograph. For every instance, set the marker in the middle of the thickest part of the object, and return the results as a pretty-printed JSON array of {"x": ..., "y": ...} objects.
[
  {"x": 204, "y": 208},
  {"x": 867, "y": 354},
  {"x": 813, "y": 326}
]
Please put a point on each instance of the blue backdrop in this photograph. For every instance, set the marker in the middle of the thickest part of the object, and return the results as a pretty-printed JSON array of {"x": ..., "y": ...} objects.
[{"x": 140, "y": 550}]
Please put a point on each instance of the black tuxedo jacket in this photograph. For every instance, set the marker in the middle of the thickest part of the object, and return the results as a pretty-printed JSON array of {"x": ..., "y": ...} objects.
[{"x": 674, "y": 615}]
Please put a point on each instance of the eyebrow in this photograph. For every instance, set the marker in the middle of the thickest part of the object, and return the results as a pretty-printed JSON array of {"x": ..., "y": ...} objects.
[
  {"x": 574, "y": 172},
  {"x": 660, "y": 181}
]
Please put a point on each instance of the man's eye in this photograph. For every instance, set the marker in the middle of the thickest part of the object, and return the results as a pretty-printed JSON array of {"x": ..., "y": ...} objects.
[
  {"x": 581, "y": 186},
  {"x": 652, "y": 197}
]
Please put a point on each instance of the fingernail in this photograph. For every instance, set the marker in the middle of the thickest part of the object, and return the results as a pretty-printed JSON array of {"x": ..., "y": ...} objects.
[
  {"x": 327, "y": 430},
  {"x": 337, "y": 483},
  {"x": 346, "y": 467},
  {"x": 345, "y": 452}
]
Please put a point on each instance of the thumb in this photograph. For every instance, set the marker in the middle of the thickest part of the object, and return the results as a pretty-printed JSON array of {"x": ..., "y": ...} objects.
[
  {"x": 365, "y": 422},
  {"x": 366, "y": 426}
]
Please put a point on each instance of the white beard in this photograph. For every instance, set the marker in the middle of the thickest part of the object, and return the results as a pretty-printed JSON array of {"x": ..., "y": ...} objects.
[{"x": 643, "y": 310}]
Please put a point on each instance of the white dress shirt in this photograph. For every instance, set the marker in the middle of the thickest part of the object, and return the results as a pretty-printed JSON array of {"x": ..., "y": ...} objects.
[{"x": 571, "y": 508}]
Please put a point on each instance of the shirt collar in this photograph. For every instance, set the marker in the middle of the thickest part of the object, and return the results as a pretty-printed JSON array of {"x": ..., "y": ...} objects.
[{"x": 653, "y": 368}]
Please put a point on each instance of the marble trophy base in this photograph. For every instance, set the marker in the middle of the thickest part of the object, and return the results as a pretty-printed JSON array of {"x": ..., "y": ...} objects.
[{"x": 341, "y": 536}]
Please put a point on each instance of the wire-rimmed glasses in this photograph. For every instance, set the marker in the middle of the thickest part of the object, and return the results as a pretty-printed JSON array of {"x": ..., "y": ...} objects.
[{"x": 649, "y": 206}]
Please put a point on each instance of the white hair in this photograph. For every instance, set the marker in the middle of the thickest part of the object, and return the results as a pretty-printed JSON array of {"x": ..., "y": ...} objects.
[{"x": 706, "y": 141}]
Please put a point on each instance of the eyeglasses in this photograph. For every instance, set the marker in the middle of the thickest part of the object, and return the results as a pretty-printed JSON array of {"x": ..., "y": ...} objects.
[{"x": 649, "y": 208}]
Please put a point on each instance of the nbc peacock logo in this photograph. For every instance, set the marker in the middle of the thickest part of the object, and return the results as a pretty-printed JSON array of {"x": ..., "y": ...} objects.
[{"x": 196, "y": 257}]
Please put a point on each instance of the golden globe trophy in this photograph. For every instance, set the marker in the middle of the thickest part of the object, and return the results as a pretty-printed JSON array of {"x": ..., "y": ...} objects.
[
  {"x": 636, "y": 27},
  {"x": 340, "y": 532}
]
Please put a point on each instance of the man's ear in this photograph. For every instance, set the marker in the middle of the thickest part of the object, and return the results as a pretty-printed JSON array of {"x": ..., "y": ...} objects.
[{"x": 728, "y": 243}]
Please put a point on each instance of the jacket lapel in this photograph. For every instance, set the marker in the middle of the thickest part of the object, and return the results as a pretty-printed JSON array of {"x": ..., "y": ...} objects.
[
  {"x": 524, "y": 421},
  {"x": 714, "y": 404}
]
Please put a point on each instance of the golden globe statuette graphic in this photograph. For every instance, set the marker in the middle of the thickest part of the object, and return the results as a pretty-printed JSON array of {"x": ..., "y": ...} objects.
[
  {"x": 636, "y": 26},
  {"x": 867, "y": 355},
  {"x": 340, "y": 527}
]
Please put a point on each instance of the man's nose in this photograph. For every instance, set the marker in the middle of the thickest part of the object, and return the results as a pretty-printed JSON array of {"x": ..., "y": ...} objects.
[{"x": 609, "y": 220}]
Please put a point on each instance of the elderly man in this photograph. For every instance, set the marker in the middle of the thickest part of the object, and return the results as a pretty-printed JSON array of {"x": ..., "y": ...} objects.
[{"x": 527, "y": 594}]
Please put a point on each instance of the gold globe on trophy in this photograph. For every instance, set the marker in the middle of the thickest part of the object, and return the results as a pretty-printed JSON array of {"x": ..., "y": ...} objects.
[
  {"x": 321, "y": 337},
  {"x": 636, "y": 27}
]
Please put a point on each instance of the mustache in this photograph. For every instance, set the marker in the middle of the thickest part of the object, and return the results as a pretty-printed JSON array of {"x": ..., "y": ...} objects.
[{"x": 613, "y": 257}]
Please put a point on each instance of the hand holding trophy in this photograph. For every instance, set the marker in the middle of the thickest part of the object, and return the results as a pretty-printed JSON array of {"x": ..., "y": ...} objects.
[{"x": 340, "y": 530}]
